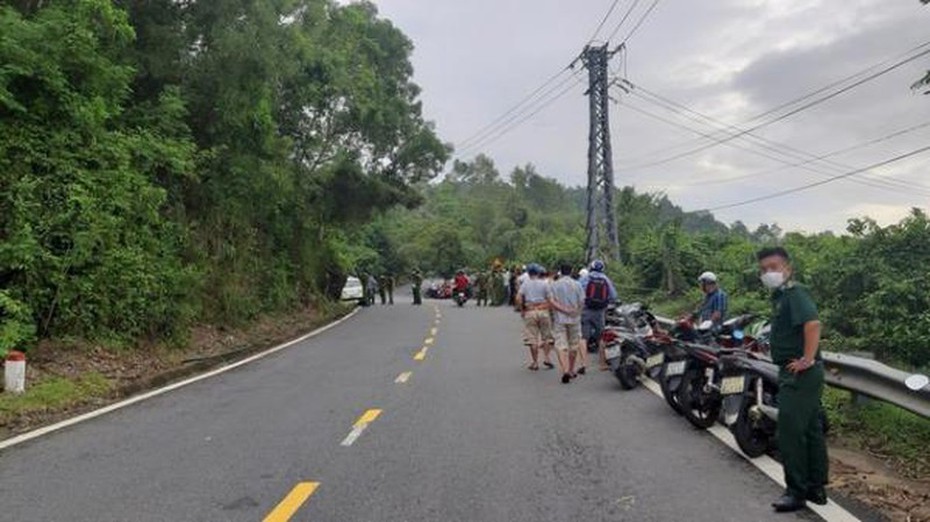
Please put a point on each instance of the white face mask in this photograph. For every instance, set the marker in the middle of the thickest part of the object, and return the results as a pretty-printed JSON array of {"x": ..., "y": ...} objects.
[{"x": 773, "y": 280}]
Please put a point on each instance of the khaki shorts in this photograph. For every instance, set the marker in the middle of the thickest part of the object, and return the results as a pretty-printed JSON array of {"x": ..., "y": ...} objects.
[
  {"x": 537, "y": 327},
  {"x": 567, "y": 336}
]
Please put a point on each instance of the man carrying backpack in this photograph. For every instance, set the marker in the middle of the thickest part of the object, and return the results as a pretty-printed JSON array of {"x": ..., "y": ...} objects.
[{"x": 599, "y": 292}]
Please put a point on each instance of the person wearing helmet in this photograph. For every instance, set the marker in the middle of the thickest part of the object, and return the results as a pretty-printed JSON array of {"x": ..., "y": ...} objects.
[
  {"x": 599, "y": 292},
  {"x": 714, "y": 307}
]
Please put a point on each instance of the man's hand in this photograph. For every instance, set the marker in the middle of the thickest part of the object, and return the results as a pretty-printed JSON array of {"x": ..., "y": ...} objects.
[{"x": 799, "y": 365}]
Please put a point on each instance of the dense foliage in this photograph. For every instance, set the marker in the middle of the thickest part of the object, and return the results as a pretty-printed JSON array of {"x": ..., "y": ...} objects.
[
  {"x": 872, "y": 283},
  {"x": 163, "y": 162}
]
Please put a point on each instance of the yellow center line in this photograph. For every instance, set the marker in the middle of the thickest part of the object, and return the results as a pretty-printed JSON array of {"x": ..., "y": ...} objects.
[
  {"x": 433, "y": 331},
  {"x": 292, "y": 502},
  {"x": 367, "y": 418},
  {"x": 403, "y": 378},
  {"x": 429, "y": 340},
  {"x": 421, "y": 355}
]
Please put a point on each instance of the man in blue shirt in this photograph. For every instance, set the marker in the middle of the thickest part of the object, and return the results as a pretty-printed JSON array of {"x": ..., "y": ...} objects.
[
  {"x": 714, "y": 308},
  {"x": 599, "y": 292}
]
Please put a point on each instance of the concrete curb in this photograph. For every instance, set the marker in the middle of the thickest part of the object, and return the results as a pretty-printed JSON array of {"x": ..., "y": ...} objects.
[{"x": 34, "y": 434}]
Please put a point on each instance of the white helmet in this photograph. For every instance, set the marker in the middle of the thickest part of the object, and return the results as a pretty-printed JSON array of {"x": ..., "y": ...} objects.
[
  {"x": 583, "y": 272},
  {"x": 707, "y": 277}
]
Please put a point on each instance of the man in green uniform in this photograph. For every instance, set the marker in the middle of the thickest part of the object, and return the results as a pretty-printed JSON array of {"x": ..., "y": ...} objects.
[
  {"x": 417, "y": 283},
  {"x": 795, "y": 343},
  {"x": 482, "y": 282}
]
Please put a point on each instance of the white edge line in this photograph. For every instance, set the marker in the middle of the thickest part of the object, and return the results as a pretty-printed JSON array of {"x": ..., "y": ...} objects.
[
  {"x": 24, "y": 437},
  {"x": 832, "y": 512}
]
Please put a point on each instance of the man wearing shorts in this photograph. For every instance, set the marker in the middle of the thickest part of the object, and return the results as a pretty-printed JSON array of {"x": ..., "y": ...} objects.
[
  {"x": 567, "y": 300},
  {"x": 533, "y": 302}
]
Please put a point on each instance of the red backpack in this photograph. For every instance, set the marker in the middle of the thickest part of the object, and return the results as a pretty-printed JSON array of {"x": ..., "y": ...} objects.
[{"x": 597, "y": 294}]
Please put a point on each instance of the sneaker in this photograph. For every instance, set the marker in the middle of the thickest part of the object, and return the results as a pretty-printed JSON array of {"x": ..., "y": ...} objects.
[{"x": 566, "y": 378}]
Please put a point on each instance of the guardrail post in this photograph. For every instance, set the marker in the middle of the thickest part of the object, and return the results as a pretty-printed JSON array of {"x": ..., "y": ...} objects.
[{"x": 859, "y": 400}]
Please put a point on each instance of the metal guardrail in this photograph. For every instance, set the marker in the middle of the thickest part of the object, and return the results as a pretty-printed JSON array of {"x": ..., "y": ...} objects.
[{"x": 869, "y": 378}]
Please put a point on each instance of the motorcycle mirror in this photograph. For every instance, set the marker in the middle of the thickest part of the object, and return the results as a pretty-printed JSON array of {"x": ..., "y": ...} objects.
[
  {"x": 917, "y": 382},
  {"x": 739, "y": 335}
]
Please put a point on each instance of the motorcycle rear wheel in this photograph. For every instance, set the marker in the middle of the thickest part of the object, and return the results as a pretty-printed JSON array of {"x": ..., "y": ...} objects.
[
  {"x": 670, "y": 395},
  {"x": 627, "y": 374},
  {"x": 753, "y": 441},
  {"x": 700, "y": 409}
]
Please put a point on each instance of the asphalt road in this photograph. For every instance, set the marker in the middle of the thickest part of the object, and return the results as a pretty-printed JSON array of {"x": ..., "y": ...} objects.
[{"x": 471, "y": 436}]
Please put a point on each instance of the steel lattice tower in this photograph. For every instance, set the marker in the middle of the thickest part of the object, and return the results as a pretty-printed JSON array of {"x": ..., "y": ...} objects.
[{"x": 600, "y": 197}]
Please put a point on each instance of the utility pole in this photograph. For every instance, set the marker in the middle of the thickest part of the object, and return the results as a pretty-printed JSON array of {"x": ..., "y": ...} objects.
[{"x": 600, "y": 193}]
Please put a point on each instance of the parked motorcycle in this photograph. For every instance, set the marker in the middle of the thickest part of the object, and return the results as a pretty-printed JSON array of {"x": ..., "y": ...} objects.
[
  {"x": 680, "y": 346},
  {"x": 626, "y": 350},
  {"x": 756, "y": 419},
  {"x": 460, "y": 297}
]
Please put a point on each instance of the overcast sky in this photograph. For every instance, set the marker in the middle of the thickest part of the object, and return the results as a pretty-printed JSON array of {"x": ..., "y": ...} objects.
[{"x": 729, "y": 59}]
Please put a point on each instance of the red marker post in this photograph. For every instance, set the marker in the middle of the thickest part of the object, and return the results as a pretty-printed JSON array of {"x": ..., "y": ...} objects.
[{"x": 14, "y": 372}]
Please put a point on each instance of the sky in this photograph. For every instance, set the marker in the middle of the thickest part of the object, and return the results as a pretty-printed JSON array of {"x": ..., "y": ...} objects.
[{"x": 730, "y": 60}]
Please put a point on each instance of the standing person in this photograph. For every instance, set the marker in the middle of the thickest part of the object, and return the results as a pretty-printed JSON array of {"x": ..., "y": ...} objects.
[
  {"x": 599, "y": 292},
  {"x": 382, "y": 288},
  {"x": 417, "y": 279},
  {"x": 714, "y": 307},
  {"x": 513, "y": 284},
  {"x": 567, "y": 301},
  {"x": 533, "y": 302},
  {"x": 795, "y": 342},
  {"x": 389, "y": 279},
  {"x": 482, "y": 281},
  {"x": 372, "y": 289}
]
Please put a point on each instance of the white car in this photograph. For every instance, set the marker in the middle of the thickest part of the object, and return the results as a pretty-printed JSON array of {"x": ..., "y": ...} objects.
[{"x": 353, "y": 290}]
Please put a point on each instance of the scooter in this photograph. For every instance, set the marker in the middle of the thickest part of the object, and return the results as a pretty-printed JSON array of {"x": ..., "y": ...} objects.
[
  {"x": 626, "y": 350},
  {"x": 755, "y": 383}
]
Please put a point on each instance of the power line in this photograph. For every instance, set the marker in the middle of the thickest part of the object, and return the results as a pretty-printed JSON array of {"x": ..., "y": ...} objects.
[
  {"x": 871, "y": 182},
  {"x": 808, "y": 186},
  {"x": 641, "y": 20},
  {"x": 604, "y": 20},
  {"x": 718, "y": 141},
  {"x": 839, "y": 82},
  {"x": 623, "y": 20},
  {"x": 759, "y": 141},
  {"x": 514, "y": 122},
  {"x": 528, "y": 98},
  {"x": 831, "y": 154}
]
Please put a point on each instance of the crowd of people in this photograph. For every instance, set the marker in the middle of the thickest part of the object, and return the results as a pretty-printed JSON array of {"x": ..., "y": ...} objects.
[{"x": 565, "y": 310}]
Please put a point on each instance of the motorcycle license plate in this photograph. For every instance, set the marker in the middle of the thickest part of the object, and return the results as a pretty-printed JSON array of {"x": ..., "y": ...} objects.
[
  {"x": 732, "y": 385},
  {"x": 675, "y": 368},
  {"x": 612, "y": 351},
  {"x": 655, "y": 360}
]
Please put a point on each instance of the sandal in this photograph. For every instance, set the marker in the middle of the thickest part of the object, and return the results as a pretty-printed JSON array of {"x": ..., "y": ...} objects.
[
  {"x": 534, "y": 367},
  {"x": 548, "y": 365}
]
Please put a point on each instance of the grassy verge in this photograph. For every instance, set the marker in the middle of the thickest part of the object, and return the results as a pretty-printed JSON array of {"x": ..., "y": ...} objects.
[
  {"x": 885, "y": 431},
  {"x": 56, "y": 393}
]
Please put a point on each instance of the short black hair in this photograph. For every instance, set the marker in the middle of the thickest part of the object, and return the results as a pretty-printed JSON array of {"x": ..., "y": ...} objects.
[
  {"x": 773, "y": 251},
  {"x": 565, "y": 268}
]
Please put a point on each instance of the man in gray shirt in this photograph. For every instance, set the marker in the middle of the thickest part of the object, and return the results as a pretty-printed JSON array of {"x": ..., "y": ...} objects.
[
  {"x": 533, "y": 303},
  {"x": 567, "y": 300}
]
